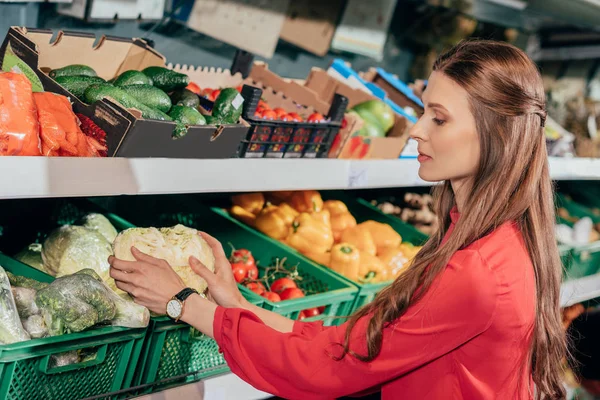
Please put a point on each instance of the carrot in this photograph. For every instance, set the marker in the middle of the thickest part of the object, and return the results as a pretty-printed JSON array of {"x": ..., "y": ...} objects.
[{"x": 19, "y": 128}]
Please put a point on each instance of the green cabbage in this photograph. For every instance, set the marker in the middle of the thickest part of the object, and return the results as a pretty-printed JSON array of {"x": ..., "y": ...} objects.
[{"x": 101, "y": 224}]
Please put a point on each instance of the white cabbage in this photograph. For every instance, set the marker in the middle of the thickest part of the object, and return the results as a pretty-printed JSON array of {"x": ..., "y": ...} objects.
[{"x": 100, "y": 223}]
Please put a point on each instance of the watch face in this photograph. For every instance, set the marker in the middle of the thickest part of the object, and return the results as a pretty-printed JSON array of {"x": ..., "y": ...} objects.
[{"x": 174, "y": 309}]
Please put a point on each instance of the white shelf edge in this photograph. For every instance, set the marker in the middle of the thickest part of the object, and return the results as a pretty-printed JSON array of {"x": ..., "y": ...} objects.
[
  {"x": 28, "y": 177},
  {"x": 579, "y": 290}
]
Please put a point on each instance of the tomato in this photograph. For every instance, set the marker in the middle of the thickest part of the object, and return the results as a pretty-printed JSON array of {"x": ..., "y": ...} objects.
[
  {"x": 291, "y": 293},
  {"x": 315, "y": 117},
  {"x": 321, "y": 309},
  {"x": 206, "y": 92},
  {"x": 240, "y": 271},
  {"x": 251, "y": 271},
  {"x": 194, "y": 88},
  {"x": 242, "y": 256},
  {"x": 263, "y": 104},
  {"x": 239, "y": 88},
  {"x": 271, "y": 296},
  {"x": 215, "y": 94},
  {"x": 301, "y": 316},
  {"x": 269, "y": 114},
  {"x": 295, "y": 117},
  {"x": 256, "y": 287},
  {"x": 311, "y": 312},
  {"x": 283, "y": 283},
  {"x": 280, "y": 112}
]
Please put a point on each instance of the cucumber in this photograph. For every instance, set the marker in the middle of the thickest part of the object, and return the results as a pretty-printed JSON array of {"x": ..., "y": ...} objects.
[
  {"x": 98, "y": 92},
  {"x": 228, "y": 106},
  {"x": 187, "y": 115},
  {"x": 166, "y": 79},
  {"x": 75, "y": 69},
  {"x": 185, "y": 97},
  {"x": 132, "y": 77},
  {"x": 76, "y": 84},
  {"x": 151, "y": 96}
]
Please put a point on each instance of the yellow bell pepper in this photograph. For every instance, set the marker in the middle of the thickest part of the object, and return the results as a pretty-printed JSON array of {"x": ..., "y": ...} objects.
[
  {"x": 306, "y": 201},
  {"x": 319, "y": 258},
  {"x": 322, "y": 216},
  {"x": 361, "y": 238},
  {"x": 289, "y": 212},
  {"x": 397, "y": 259},
  {"x": 308, "y": 234},
  {"x": 371, "y": 269},
  {"x": 385, "y": 236},
  {"x": 252, "y": 202},
  {"x": 341, "y": 219},
  {"x": 242, "y": 215},
  {"x": 278, "y": 197},
  {"x": 345, "y": 260},
  {"x": 274, "y": 221}
]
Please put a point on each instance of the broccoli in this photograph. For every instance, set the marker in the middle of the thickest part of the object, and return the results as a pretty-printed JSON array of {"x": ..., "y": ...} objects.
[{"x": 23, "y": 282}]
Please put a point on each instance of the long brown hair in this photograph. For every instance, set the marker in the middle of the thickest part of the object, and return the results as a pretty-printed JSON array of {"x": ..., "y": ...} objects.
[{"x": 512, "y": 183}]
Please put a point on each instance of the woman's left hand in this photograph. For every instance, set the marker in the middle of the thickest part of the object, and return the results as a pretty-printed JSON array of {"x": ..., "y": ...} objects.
[{"x": 150, "y": 281}]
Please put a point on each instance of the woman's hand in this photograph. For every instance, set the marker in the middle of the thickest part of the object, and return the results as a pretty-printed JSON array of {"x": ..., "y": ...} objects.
[
  {"x": 150, "y": 281},
  {"x": 222, "y": 287}
]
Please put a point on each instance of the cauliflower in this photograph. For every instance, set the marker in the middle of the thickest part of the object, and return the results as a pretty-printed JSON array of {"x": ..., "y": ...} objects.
[
  {"x": 101, "y": 224},
  {"x": 175, "y": 245}
]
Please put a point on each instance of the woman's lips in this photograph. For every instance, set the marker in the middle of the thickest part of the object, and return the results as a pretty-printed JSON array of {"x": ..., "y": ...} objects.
[{"x": 423, "y": 158}]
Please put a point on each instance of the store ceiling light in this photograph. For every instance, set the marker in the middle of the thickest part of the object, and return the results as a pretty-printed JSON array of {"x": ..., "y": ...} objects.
[{"x": 517, "y": 4}]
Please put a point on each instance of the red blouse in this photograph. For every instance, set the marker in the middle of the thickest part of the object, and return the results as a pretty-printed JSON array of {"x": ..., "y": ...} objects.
[{"x": 467, "y": 338}]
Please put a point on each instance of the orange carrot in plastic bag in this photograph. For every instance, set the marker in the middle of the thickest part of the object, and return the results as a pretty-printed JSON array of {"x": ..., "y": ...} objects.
[
  {"x": 52, "y": 135},
  {"x": 19, "y": 128}
]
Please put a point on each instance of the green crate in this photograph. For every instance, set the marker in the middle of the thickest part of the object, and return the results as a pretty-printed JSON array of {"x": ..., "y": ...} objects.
[
  {"x": 576, "y": 209},
  {"x": 326, "y": 288},
  {"x": 25, "y": 372}
]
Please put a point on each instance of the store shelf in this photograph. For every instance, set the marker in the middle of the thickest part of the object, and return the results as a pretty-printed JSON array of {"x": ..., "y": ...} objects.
[
  {"x": 579, "y": 290},
  {"x": 222, "y": 387},
  {"x": 25, "y": 177}
]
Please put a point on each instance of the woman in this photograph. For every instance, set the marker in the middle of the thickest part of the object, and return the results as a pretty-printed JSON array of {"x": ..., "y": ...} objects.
[{"x": 476, "y": 316}]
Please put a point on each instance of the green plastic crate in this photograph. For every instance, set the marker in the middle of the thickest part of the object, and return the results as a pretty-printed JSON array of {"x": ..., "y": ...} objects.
[
  {"x": 326, "y": 288},
  {"x": 26, "y": 373}
]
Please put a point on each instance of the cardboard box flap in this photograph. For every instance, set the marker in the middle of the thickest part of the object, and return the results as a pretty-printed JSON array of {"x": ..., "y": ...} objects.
[
  {"x": 219, "y": 77},
  {"x": 326, "y": 86}
]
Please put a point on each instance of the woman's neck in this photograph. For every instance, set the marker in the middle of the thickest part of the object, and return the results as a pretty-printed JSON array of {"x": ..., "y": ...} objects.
[{"x": 460, "y": 187}]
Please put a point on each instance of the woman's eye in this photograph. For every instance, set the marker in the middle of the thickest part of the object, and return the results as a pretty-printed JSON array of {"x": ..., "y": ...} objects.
[{"x": 438, "y": 121}]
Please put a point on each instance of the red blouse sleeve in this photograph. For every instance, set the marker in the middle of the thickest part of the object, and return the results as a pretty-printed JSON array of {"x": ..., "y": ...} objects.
[{"x": 298, "y": 365}]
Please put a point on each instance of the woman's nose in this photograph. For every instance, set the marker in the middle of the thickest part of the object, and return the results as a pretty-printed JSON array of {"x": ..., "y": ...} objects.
[{"x": 417, "y": 132}]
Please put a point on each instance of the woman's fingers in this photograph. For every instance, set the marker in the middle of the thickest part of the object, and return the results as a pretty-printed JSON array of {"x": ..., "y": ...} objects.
[
  {"x": 215, "y": 245},
  {"x": 119, "y": 275},
  {"x": 127, "y": 287},
  {"x": 201, "y": 270},
  {"x": 138, "y": 255},
  {"x": 125, "y": 266}
]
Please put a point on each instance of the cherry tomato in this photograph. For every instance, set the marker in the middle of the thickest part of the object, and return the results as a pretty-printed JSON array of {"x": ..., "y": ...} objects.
[
  {"x": 243, "y": 256},
  {"x": 251, "y": 271},
  {"x": 258, "y": 113},
  {"x": 256, "y": 287},
  {"x": 269, "y": 114},
  {"x": 301, "y": 316},
  {"x": 311, "y": 312},
  {"x": 283, "y": 283},
  {"x": 295, "y": 117},
  {"x": 240, "y": 271},
  {"x": 271, "y": 296},
  {"x": 315, "y": 117},
  {"x": 194, "y": 88},
  {"x": 291, "y": 293}
]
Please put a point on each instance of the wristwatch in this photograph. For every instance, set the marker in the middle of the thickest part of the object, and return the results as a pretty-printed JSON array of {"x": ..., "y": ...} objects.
[{"x": 177, "y": 303}]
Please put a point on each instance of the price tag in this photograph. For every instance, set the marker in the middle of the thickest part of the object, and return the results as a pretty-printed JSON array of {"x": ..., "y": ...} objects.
[{"x": 358, "y": 176}]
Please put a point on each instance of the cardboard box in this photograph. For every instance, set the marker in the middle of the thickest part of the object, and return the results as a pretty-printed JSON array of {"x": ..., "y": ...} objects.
[
  {"x": 127, "y": 135},
  {"x": 109, "y": 10},
  {"x": 388, "y": 147},
  {"x": 310, "y": 24},
  {"x": 396, "y": 90}
]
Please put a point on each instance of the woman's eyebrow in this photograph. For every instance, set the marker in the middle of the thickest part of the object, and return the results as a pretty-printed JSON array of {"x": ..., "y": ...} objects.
[{"x": 436, "y": 105}]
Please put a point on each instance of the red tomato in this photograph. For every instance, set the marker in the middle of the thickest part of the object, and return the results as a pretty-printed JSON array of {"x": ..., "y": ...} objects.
[
  {"x": 280, "y": 112},
  {"x": 240, "y": 271},
  {"x": 315, "y": 117},
  {"x": 271, "y": 296},
  {"x": 287, "y": 117},
  {"x": 283, "y": 283},
  {"x": 239, "y": 88},
  {"x": 269, "y": 114},
  {"x": 256, "y": 287},
  {"x": 295, "y": 117},
  {"x": 194, "y": 88},
  {"x": 301, "y": 316},
  {"x": 291, "y": 293},
  {"x": 251, "y": 271},
  {"x": 311, "y": 312},
  {"x": 206, "y": 92},
  {"x": 242, "y": 256},
  {"x": 258, "y": 113},
  {"x": 263, "y": 104},
  {"x": 215, "y": 94},
  {"x": 321, "y": 309}
]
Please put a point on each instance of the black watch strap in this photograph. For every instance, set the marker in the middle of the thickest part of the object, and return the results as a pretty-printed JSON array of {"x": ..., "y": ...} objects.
[{"x": 185, "y": 293}]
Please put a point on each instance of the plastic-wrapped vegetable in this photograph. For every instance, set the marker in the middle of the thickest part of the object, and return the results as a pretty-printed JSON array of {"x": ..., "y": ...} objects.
[
  {"x": 35, "y": 326},
  {"x": 62, "y": 359},
  {"x": 25, "y": 301},
  {"x": 101, "y": 224},
  {"x": 32, "y": 256},
  {"x": 11, "y": 329},
  {"x": 71, "y": 248},
  {"x": 175, "y": 245},
  {"x": 23, "y": 282}
]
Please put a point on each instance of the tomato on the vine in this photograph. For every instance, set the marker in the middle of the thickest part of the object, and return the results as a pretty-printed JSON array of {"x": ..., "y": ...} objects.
[
  {"x": 256, "y": 287},
  {"x": 291, "y": 293},
  {"x": 311, "y": 312},
  {"x": 242, "y": 256},
  {"x": 251, "y": 272},
  {"x": 240, "y": 271},
  {"x": 271, "y": 296},
  {"x": 283, "y": 283}
]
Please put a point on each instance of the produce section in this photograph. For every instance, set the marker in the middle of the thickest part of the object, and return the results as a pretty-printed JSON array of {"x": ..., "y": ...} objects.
[{"x": 303, "y": 169}]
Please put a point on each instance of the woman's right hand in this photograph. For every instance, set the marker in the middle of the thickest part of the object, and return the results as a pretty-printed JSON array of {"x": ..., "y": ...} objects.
[{"x": 222, "y": 286}]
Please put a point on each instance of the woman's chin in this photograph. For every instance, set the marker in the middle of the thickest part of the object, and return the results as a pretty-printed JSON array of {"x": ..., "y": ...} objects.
[{"x": 429, "y": 176}]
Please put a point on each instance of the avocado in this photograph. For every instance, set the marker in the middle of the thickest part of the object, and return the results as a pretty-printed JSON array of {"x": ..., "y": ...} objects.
[
  {"x": 75, "y": 69},
  {"x": 185, "y": 97},
  {"x": 76, "y": 84},
  {"x": 98, "y": 92},
  {"x": 166, "y": 79},
  {"x": 228, "y": 106},
  {"x": 151, "y": 96},
  {"x": 132, "y": 77}
]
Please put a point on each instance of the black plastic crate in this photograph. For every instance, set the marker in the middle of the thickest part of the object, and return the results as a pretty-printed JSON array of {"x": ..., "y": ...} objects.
[{"x": 285, "y": 139}]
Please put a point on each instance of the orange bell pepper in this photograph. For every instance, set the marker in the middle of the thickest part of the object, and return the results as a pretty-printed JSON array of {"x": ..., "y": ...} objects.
[
  {"x": 308, "y": 234},
  {"x": 243, "y": 215},
  {"x": 384, "y": 235},
  {"x": 274, "y": 221},
  {"x": 341, "y": 219},
  {"x": 361, "y": 238},
  {"x": 345, "y": 260},
  {"x": 371, "y": 269},
  {"x": 319, "y": 258},
  {"x": 322, "y": 216},
  {"x": 252, "y": 202},
  {"x": 306, "y": 201}
]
